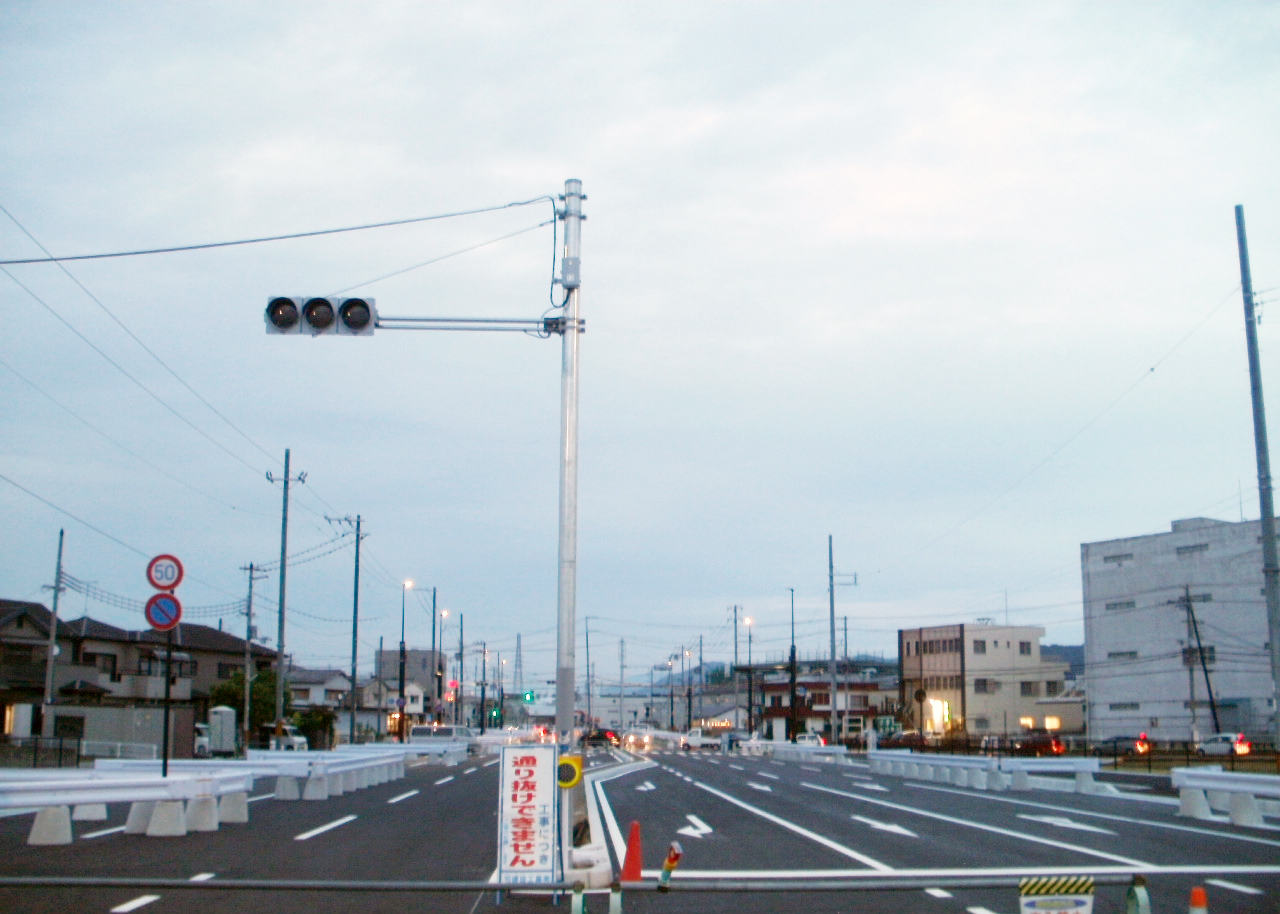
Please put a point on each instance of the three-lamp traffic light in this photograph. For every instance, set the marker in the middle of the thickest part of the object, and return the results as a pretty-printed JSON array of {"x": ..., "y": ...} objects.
[{"x": 349, "y": 316}]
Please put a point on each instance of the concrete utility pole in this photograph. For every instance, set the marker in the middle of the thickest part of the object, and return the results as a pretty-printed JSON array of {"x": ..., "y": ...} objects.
[
  {"x": 355, "y": 631},
  {"x": 736, "y": 722},
  {"x": 793, "y": 710},
  {"x": 831, "y": 590},
  {"x": 53, "y": 638},
  {"x": 400, "y": 702},
  {"x": 246, "y": 724},
  {"x": 1270, "y": 561},
  {"x": 571, "y": 281},
  {"x": 284, "y": 553}
]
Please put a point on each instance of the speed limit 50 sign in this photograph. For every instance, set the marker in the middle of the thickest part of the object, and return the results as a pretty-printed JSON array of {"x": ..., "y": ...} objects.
[{"x": 164, "y": 572}]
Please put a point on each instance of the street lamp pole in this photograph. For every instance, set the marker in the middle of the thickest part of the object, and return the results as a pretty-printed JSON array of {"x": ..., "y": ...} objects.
[
  {"x": 435, "y": 664},
  {"x": 401, "y": 702},
  {"x": 441, "y": 669},
  {"x": 750, "y": 680}
]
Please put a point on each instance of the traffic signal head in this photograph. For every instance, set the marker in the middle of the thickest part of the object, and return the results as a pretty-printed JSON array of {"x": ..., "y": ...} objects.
[
  {"x": 529, "y": 696},
  {"x": 349, "y": 316}
]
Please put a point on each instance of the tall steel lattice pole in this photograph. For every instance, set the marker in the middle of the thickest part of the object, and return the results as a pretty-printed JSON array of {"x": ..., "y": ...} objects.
[
  {"x": 570, "y": 279},
  {"x": 1270, "y": 562}
]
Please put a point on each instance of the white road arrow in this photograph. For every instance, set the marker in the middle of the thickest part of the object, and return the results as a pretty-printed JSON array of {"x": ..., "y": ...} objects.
[
  {"x": 697, "y": 829},
  {"x": 1064, "y": 822},
  {"x": 885, "y": 826},
  {"x": 765, "y": 787},
  {"x": 647, "y": 785}
]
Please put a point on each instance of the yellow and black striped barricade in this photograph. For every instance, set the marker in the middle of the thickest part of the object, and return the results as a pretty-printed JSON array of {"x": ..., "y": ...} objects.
[{"x": 1055, "y": 895}]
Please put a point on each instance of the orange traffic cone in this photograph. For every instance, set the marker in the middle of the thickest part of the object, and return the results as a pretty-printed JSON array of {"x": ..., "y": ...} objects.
[
  {"x": 631, "y": 863},
  {"x": 1199, "y": 901}
]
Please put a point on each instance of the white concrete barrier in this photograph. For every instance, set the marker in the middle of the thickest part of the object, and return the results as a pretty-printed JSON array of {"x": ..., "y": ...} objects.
[{"x": 1245, "y": 797}]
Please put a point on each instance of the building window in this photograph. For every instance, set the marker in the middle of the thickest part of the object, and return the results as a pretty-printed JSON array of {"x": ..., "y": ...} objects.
[
  {"x": 1030, "y": 689},
  {"x": 1052, "y": 689},
  {"x": 979, "y": 647},
  {"x": 986, "y": 686},
  {"x": 1191, "y": 656},
  {"x": 1122, "y": 655},
  {"x": 1026, "y": 722},
  {"x": 227, "y": 670},
  {"x": 1192, "y": 550},
  {"x": 1123, "y": 706},
  {"x": 1024, "y": 648},
  {"x": 981, "y": 723},
  {"x": 1121, "y": 604},
  {"x": 1053, "y": 723},
  {"x": 1123, "y": 557},
  {"x": 775, "y": 701}
]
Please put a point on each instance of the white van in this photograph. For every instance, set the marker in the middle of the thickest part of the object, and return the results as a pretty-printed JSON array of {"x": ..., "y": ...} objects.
[{"x": 422, "y": 733}]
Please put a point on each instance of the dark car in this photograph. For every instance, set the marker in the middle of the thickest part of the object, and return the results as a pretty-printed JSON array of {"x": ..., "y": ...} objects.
[
  {"x": 600, "y": 737},
  {"x": 1036, "y": 744},
  {"x": 1122, "y": 745}
]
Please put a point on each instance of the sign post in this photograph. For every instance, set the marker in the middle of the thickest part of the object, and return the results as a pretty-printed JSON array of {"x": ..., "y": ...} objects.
[{"x": 164, "y": 612}]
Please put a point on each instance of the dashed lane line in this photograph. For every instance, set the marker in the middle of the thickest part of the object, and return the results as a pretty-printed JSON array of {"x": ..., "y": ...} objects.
[
  {"x": 403, "y": 796},
  {"x": 444, "y": 780},
  {"x": 1235, "y": 887},
  {"x": 308, "y": 835},
  {"x": 1009, "y": 833},
  {"x": 138, "y": 902},
  {"x": 103, "y": 833}
]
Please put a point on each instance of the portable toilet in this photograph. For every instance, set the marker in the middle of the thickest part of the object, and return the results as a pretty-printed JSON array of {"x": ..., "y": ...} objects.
[{"x": 222, "y": 730}]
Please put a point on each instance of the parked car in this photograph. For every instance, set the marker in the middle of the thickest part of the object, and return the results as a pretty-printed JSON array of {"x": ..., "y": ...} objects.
[
  {"x": 421, "y": 733},
  {"x": 1224, "y": 744},
  {"x": 202, "y": 748},
  {"x": 1122, "y": 745},
  {"x": 600, "y": 737},
  {"x": 288, "y": 739},
  {"x": 1037, "y": 744},
  {"x": 902, "y": 739}
]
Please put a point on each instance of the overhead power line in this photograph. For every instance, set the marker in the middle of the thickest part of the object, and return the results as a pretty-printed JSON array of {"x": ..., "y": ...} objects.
[{"x": 226, "y": 244}]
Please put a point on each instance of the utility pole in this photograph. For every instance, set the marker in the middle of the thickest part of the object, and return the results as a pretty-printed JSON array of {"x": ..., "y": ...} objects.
[
  {"x": 402, "y": 718},
  {"x": 571, "y": 281},
  {"x": 622, "y": 683},
  {"x": 284, "y": 553},
  {"x": 793, "y": 711},
  {"x": 484, "y": 673},
  {"x": 831, "y": 592},
  {"x": 1270, "y": 561},
  {"x": 53, "y": 638},
  {"x": 246, "y": 725},
  {"x": 736, "y": 722},
  {"x": 586, "y": 626},
  {"x": 434, "y": 685},
  {"x": 702, "y": 678},
  {"x": 462, "y": 678},
  {"x": 1193, "y": 631},
  {"x": 355, "y": 627},
  {"x": 382, "y": 690}
]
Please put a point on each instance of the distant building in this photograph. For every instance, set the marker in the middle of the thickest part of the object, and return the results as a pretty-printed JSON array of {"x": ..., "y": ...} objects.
[
  {"x": 1176, "y": 641},
  {"x": 980, "y": 679}
]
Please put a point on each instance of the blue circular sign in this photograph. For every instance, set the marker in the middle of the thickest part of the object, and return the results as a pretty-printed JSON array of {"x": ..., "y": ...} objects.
[{"x": 163, "y": 612}]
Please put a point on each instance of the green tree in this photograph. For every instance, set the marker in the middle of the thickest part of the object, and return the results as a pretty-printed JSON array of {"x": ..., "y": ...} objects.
[
  {"x": 262, "y": 698},
  {"x": 316, "y": 724}
]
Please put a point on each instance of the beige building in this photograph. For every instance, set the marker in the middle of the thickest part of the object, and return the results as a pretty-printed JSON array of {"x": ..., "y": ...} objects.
[{"x": 980, "y": 679}]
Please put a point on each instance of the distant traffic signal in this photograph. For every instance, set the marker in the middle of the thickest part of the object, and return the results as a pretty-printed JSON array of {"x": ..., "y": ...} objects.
[
  {"x": 529, "y": 696},
  {"x": 348, "y": 316}
]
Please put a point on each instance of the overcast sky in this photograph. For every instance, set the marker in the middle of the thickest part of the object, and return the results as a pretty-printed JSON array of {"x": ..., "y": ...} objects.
[{"x": 955, "y": 284}]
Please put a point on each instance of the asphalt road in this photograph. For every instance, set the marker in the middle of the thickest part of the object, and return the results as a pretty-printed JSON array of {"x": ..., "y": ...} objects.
[{"x": 735, "y": 817}]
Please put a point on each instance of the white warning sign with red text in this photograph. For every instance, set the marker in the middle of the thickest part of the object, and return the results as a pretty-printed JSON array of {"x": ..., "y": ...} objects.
[{"x": 527, "y": 820}]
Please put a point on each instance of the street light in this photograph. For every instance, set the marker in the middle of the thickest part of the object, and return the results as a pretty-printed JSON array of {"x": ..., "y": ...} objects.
[
  {"x": 401, "y": 703},
  {"x": 440, "y": 671}
]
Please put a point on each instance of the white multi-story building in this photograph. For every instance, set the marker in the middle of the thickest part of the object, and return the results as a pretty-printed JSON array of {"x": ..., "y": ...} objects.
[{"x": 1176, "y": 632}]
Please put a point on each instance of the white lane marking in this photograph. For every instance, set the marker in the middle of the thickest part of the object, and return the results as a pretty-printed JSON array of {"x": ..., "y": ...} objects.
[
  {"x": 135, "y": 904},
  {"x": 646, "y": 787},
  {"x": 486, "y": 765},
  {"x": 799, "y": 830},
  {"x": 713, "y": 761},
  {"x": 444, "y": 780},
  {"x": 810, "y": 768},
  {"x": 886, "y": 826},
  {"x": 1108, "y": 817},
  {"x": 736, "y": 767},
  {"x": 1064, "y": 822},
  {"x": 202, "y": 877},
  {"x": 938, "y": 893},
  {"x": 980, "y": 826},
  {"x": 980, "y": 911},
  {"x": 610, "y": 820},
  {"x": 470, "y": 770},
  {"x": 876, "y": 787},
  {"x": 754, "y": 786},
  {"x": 1235, "y": 887},
  {"x": 860, "y": 777},
  {"x": 772, "y": 762},
  {"x": 766, "y": 774},
  {"x": 696, "y": 829},
  {"x": 306, "y": 835},
  {"x": 403, "y": 796},
  {"x": 265, "y": 796},
  {"x": 105, "y": 831}
]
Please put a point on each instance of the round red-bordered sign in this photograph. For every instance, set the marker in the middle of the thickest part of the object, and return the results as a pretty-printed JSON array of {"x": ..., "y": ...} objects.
[
  {"x": 164, "y": 572},
  {"x": 163, "y": 612}
]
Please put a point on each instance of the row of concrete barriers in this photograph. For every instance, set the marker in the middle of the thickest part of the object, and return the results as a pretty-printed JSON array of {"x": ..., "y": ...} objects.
[{"x": 198, "y": 795}]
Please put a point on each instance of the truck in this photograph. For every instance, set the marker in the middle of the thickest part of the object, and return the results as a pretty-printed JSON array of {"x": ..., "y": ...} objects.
[
  {"x": 698, "y": 738},
  {"x": 289, "y": 738}
]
